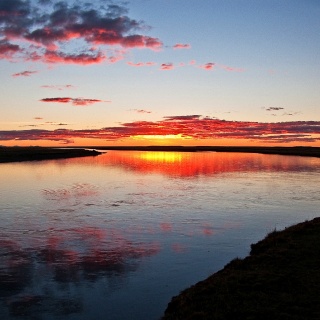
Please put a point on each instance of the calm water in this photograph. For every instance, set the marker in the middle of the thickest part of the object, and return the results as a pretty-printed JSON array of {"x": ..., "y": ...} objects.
[{"x": 116, "y": 236}]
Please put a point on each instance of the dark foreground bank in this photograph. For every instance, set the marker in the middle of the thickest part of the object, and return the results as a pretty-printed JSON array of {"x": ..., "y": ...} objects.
[
  {"x": 14, "y": 154},
  {"x": 279, "y": 280}
]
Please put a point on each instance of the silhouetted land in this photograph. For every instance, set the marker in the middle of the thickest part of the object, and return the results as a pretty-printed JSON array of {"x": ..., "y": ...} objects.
[
  {"x": 294, "y": 151},
  {"x": 15, "y": 154},
  {"x": 279, "y": 280}
]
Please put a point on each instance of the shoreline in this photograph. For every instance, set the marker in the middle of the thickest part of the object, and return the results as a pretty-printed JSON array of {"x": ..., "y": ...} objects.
[
  {"x": 288, "y": 151},
  {"x": 19, "y": 154},
  {"x": 279, "y": 280}
]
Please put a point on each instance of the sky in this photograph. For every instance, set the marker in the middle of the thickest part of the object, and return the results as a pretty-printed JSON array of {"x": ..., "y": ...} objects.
[{"x": 159, "y": 72}]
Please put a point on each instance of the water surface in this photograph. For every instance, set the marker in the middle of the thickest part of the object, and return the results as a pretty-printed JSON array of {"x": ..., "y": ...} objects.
[{"x": 116, "y": 236}]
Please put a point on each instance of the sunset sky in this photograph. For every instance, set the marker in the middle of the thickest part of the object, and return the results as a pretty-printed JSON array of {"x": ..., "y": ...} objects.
[{"x": 169, "y": 72}]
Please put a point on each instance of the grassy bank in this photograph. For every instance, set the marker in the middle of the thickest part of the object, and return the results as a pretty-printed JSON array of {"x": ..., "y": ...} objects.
[
  {"x": 15, "y": 154},
  {"x": 280, "y": 279}
]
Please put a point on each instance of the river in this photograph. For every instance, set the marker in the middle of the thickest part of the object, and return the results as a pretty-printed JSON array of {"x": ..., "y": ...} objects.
[{"x": 117, "y": 235}]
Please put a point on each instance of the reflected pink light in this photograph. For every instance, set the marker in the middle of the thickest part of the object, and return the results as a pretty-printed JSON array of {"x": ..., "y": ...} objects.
[
  {"x": 166, "y": 227},
  {"x": 178, "y": 248}
]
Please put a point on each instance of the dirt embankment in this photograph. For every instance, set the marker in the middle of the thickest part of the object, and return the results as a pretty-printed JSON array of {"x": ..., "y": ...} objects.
[{"x": 280, "y": 279}]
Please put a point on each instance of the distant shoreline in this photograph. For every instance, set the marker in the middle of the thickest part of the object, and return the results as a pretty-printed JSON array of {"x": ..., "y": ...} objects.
[
  {"x": 18, "y": 154},
  {"x": 292, "y": 151}
]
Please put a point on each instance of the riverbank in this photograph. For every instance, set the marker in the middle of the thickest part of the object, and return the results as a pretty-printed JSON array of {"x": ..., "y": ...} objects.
[
  {"x": 17, "y": 154},
  {"x": 280, "y": 279},
  {"x": 14, "y": 154}
]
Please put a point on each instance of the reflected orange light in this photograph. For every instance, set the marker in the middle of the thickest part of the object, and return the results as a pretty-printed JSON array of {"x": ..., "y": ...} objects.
[
  {"x": 194, "y": 164},
  {"x": 172, "y": 157}
]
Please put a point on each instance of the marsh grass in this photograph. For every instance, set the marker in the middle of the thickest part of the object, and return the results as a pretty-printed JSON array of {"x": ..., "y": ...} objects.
[
  {"x": 15, "y": 154},
  {"x": 280, "y": 279}
]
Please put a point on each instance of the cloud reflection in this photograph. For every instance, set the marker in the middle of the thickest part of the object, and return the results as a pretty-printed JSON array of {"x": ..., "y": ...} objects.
[{"x": 32, "y": 280}]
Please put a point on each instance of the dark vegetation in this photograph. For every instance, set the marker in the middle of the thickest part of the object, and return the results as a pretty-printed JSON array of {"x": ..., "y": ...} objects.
[
  {"x": 14, "y": 154},
  {"x": 294, "y": 151},
  {"x": 279, "y": 280}
]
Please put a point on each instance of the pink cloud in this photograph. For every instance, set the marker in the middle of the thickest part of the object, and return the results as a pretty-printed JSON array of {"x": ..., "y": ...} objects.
[
  {"x": 208, "y": 66},
  {"x": 82, "y": 58},
  {"x": 26, "y": 73},
  {"x": 231, "y": 69},
  {"x": 181, "y": 46},
  {"x": 141, "y": 64},
  {"x": 74, "y": 101},
  {"x": 8, "y": 50},
  {"x": 50, "y": 32},
  {"x": 167, "y": 66},
  {"x": 85, "y": 102}
]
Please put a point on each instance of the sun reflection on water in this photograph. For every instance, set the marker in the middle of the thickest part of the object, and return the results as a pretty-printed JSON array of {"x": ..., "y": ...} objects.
[{"x": 168, "y": 157}]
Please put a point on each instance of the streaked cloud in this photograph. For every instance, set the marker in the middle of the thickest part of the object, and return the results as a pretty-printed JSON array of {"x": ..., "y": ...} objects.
[
  {"x": 230, "y": 69},
  {"x": 141, "y": 64},
  {"x": 58, "y": 87},
  {"x": 26, "y": 73},
  {"x": 74, "y": 101},
  {"x": 182, "y": 46},
  {"x": 274, "y": 109},
  {"x": 213, "y": 65},
  {"x": 186, "y": 126},
  {"x": 66, "y": 32},
  {"x": 141, "y": 111}
]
